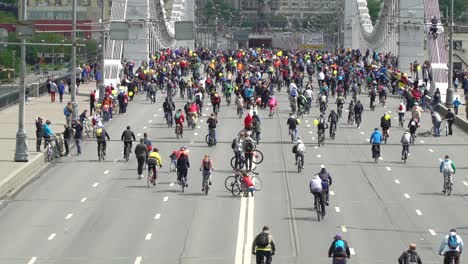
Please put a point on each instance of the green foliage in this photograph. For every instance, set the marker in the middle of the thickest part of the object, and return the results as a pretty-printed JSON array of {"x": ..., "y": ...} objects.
[
  {"x": 374, "y": 9},
  {"x": 459, "y": 6},
  {"x": 8, "y": 17},
  {"x": 226, "y": 14}
]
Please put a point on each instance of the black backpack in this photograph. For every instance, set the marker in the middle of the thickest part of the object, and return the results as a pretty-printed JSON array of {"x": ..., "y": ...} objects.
[
  {"x": 234, "y": 144},
  {"x": 411, "y": 258},
  {"x": 263, "y": 240},
  {"x": 294, "y": 150},
  {"x": 249, "y": 146}
]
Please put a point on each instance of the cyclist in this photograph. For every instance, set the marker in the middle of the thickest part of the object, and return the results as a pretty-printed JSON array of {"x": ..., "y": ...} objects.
[
  {"x": 240, "y": 105},
  {"x": 301, "y": 102},
  {"x": 433, "y": 29},
  {"x": 292, "y": 123},
  {"x": 206, "y": 168},
  {"x": 168, "y": 107},
  {"x": 272, "y": 103},
  {"x": 310, "y": 97},
  {"x": 447, "y": 167},
  {"x": 372, "y": 95},
  {"x": 339, "y": 250},
  {"x": 321, "y": 126},
  {"x": 333, "y": 119},
  {"x": 410, "y": 256},
  {"x": 179, "y": 119},
  {"x": 263, "y": 246},
  {"x": 416, "y": 112},
  {"x": 128, "y": 137},
  {"x": 192, "y": 113},
  {"x": 340, "y": 103},
  {"x": 101, "y": 135},
  {"x": 212, "y": 121},
  {"x": 323, "y": 103},
  {"x": 401, "y": 112},
  {"x": 299, "y": 149},
  {"x": 385, "y": 124},
  {"x": 315, "y": 187},
  {"x": 375, "y": 140},
  {"x": 358, "y": 109},
  {"x": 154, "y": 159},
  {"x": 47, "y": 133},
  {"x": 215, "y": 102},
  {"x": 183, "y": 165},
  {"x": 173, "y": 158},
  {"x": 199, "y": 100},
  {"x": 249, "y": 147},
  {"x": 326, "y": 183},
  {"x": 405, "y": 143},
  {"x": 451, "y": 247},
  {"x": 141, "y": 152},
  {"x": 351, "y": 112}
]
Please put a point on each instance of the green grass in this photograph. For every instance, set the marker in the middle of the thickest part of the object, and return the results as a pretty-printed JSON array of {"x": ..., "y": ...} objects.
[{"x": 8, "y": 17}]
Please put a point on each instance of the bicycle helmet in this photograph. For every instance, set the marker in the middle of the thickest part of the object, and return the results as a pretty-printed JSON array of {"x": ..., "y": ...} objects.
[{"x": 155, "y": 149}]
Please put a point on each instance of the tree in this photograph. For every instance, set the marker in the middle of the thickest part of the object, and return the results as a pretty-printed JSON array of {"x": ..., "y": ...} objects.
[
  {"x": 374, "y": 9},
  {"x": 459, "y": 6}
]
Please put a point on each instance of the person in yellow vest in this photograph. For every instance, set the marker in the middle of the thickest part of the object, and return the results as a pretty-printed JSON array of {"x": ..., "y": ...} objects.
[{"x": 263, "y": 246}]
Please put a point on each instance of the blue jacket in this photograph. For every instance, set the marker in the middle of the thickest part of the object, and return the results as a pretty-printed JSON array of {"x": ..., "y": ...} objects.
[
  {"x": 456, "y": 103},
  {"x": 61, "y": 88},
  {"x": 47, "y": 131},
  {"x": 376, "y": 137}
]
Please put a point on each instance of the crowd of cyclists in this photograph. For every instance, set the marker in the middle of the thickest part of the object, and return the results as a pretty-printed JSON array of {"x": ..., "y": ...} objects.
[{"x": 253, "y": 77}]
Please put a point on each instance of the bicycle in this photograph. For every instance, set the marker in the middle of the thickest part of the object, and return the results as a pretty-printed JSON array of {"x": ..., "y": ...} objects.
[
  {"x": 385, "y": 135},
  {"x": 318, "y": 207},
  {"x": 205, "y": 184},
  {"x": 168, "y": 119},
  {"x": 102, "y": 153},
  {"x": 183, "y": 183},
  {"x": 372, "y": 107},
  {"x": 300, "y": 163},
  {"x": 272, "y": 112},
  {"x": 51, "y": 151},
  {"x": 401, "y": 120},
  {"x": 152, "y": 177},
  {"x": 340, "y": 111},
  {"x": 351, "y": 119},
  {"x": 333, "y": 132},
  {"x": 321, "y": 139},
  {"x": 209, "y": 139},
  {"x": 231, "y": 180},
  {"x": 358, "y": 121},
  {"x": 258, "y": 158},
  {"x": 448, "y": 185},
  {"x": 228, "y": 99},
  {"x": 179, "y": 131},
  {"x": 239, "y": 186},
  {"x": 444, "y": 129},
  {"x": 89, "y": 129},
  {"x": 405, "y": 154},
  {"x": 127, "y": 149},
  {"x": 375, "y": 152},
  {"x": 291, "y": 132}
]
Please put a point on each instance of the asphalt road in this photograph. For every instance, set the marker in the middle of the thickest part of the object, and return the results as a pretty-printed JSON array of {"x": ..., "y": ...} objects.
[{"x": 83, "y": 211}]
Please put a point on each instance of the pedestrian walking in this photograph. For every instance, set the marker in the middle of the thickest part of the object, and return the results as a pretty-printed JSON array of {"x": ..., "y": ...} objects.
[
  {"x": 456, "y": 103},
  {"x": 61, "y": 90},
  {"x": 141, "y": 151},
  {"x": 78, "y": 135},
  {"x": 68, "y": 112},
  {"x": 67, "y": 134},
  {"x": 53, "y": 90},
  {"x": 39, "y": 133},
  {"x": 263, "y": 246},
  {"x": 410, "y": 256},
  {"x": 92, "y": 101}
]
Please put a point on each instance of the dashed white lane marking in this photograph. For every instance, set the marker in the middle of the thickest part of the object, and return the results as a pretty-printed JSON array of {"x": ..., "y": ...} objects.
[
  {"x": 68, "y": 216},
  {"x": 368, "y": 140},
  {"x": 139, "y": 134},
  {"x": 380, "y": 158},
  {"x": 351, "y": 250},
  {"x": 84, "y": 199},
  {"x": 322, "y": 166},
  {"x": 440, "y": 159},
  {"x": 389, "y": 112},
  {"x": 201, "y": 120},
  {"x": 150, "y": 121},
  {"x": 332, "y": 193},
  {"x": 207, "y": 109},
  {"x": 418, "y": 212},
  {"x": 144, "y": 127},
  {"x": 195, "y": 134},
  {"x": 407, "y": 196},
  {"x": 337, "y": 209},
  {"x": 344, "y": 229},
  {"x": 388, "y": 168},
  {"x": 422, "y": 141},
  {"x": 315, "y": 147},
  {"x": 165, "y": 199},
  {"x": 307, "y": 121},
  {"x": 465, "y": 183},
  {"x": 432, "y": 232},
  {"x": 313, "y": 138},
  {"x": 431, "y": 150},
  {"x": 198, "y": 126},
  {"x": 171, "y": 184},
  {"x": 319, "y": 156},
  {"x": 157, "y": 216},
  {"x": 106, "y": 172},
  {"x": 362, "y": 133},
  {"x": 95, "y": 184},
  {"x": 138, "y": 260},
  {"x": 32, "y": 260},
  {"x": 204, "y": 114},
  {"x": 52, "y": 236},
  {"x": 310, "y": 132},
  {"x": 148, "y": 236},
  {"x": 397, "y": 181},
  {"x": 308, "y": 125},
  {"x": 396, "y": 117}
]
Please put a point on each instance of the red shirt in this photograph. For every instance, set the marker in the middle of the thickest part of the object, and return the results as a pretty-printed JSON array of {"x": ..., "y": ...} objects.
[
  {"x": 248, "y": 182},
  {"x": 248, "y": 120}
]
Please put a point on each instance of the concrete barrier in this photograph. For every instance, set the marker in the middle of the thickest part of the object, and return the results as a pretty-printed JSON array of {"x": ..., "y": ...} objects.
[
  {"x": 22, "y": 175},
  {"x": 459, "y": 122}
]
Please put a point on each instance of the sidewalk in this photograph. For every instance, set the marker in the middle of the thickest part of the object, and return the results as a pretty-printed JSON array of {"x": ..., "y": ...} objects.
[{"x": 37, "y": 106}]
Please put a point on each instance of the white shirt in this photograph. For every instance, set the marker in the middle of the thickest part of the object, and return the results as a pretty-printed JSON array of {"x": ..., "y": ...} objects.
[
  {"x": 308, "y": 93},
  {"x": 321, "y": 76},
  {"x": 300, "y": 147},
  {"x": 444, "y": 244},
  {"x": 292, "y": 86},
  {"x": 315, "y": 184},
  {"x": 403, "y": 108}
]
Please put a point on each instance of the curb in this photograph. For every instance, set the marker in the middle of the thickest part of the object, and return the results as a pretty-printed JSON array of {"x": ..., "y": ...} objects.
[{"x": 22, "y": 175}]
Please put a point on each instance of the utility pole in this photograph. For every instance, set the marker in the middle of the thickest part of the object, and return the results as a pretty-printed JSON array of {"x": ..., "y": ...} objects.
[
  {"x": 102, "y": 87},
  {"x": 449, "y": 95},
  {"x": 21, "y": 150},
  {"x": 73, "y": 63}
]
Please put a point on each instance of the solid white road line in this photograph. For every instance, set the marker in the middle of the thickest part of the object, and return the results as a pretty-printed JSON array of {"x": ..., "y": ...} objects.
[
  {"x": 432, "y": 232},
  {"x": 201, "y": 120},
  {"x": 344, "y": 229},
  {"x": 198, "y": 126},
  {"x": 157, "y": 216},
  {"x": 240, "y": 232},
  {"x": 106, "y": 172},
  {"x": 68, "y": 216},
  {"x": 388, "y": 168},
  {"x": 351, "y": 250},
  {"x": 440, "y": 160},
  {"x": 95, "y": 184},
  {"x": 367, "y": 139},
  {"x": 52, "y": 236},
  {"x": 397, "y": 181},
  {"x": 148, "y": 236},
  {"x": 315, "y": 146},
  {"x": 32, "y": 260},
  {"x": 332, "y": 193},
  {"x": 431, "y": 150},
  {"x": 337, "y": 209},
  {"x": 313, "y": 138},
  {"x": 308, "y": 125},
  {"x": 250, "y": 225},
  {"x": 138, "y": 260},
  {"x": 418, "y": 212},
  {"x": 165, "y": 199},
  {"x": 84, "y": 199},
  {"x": 407, "y": 196},
  {"x": 307, "y": 121}
]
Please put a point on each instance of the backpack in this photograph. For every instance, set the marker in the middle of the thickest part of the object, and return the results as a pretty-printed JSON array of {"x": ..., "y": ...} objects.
[
  {"x": 452, "y": 242},
  {"x": 400, "y": 108},
  {"x": 65, "y": 111},
  {"x": 217, "y": 99},
  {"x": 177, "y": 115},
  {"x": 411, "y": 258},
  {"x": 206, "y": 165},
  {"x": 99, "y": 132},
  {"x": 249, "y": 146},
  {"x": 234, "y": 144},
  {"x": 263, "y": 240},
  {"x": 294, "y": 150},
  {"x": 339, "y": 245}
]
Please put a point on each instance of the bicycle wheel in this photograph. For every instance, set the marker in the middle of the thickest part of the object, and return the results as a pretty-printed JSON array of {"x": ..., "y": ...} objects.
[
  {"x": 206, "y": 187},
  {"x": 229, "y": 182},
  {"x": 149, "y": 179},
  {"x": 318, "y": 209},
  {"x": 233, "y": 163},
  {"x": 207, "y": 140},
  {"x": 258, "y": 183},
  {"x": 299, "y": 164},
  {"x": 258, "y": 157},
  {"x": 236, "y": 189},
  {"x": 182, "y": 183},
  {"x": 449, "y": 188}
]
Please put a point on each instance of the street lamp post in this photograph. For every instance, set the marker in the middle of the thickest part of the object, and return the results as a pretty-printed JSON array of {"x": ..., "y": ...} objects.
[
  {"x": 73, "y": 63},
  {"x": 102, "y": 87},
  {"x": 449, "y": 95},
  {"x": 21, "y": 150}
]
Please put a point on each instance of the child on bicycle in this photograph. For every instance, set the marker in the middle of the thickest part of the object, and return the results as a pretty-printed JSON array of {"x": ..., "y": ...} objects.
[{"x": 173, "y": 158}]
